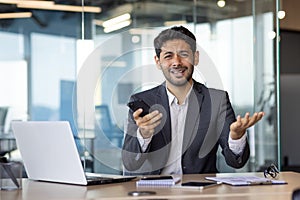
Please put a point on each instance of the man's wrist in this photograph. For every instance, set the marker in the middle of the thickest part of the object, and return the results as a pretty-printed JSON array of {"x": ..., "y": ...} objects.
[
  {"x": 144, "y": 142},
  {"x": 238, "y": 145},
  {"x": 145, "y": 136},
  {"x": 236, "y": 136}
]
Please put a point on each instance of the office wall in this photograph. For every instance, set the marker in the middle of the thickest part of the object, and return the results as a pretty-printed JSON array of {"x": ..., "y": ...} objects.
[
  {"x": 290, "y": 98},
  {"x": 291, "y": 21},
  {"x": 290, "y": 107},
  {"x": 289, "y": 52}
]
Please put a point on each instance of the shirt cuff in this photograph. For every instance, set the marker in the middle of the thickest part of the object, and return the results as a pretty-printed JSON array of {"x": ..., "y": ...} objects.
[
  {"x": 237, "y": 146},
  {"x": 144, "y": 143}
]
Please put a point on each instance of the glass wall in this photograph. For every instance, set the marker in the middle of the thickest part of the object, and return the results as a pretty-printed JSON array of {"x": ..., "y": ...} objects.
[{"x": 76, "y": 68}]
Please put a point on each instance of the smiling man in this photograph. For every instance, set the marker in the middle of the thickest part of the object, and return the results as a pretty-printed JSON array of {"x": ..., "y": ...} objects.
[{"x": 187, "y": 121}]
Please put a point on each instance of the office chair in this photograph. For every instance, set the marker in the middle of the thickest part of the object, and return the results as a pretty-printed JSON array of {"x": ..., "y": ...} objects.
[
  {"x": 103, "y": 120},
  {"x": 3, "y": 114},
  {"x": 6, "y": 145}
]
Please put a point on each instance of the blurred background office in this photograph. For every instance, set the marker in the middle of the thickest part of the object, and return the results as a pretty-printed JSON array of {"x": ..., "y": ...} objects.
[{"x": 81, "y": 60}]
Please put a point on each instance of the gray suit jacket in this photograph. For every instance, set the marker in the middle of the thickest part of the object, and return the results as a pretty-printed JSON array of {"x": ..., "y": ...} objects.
[{"x": 207, "y": 125}]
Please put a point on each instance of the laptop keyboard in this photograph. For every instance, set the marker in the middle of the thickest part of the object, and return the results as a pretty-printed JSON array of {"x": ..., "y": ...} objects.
[{"x": 97, "y": 178}]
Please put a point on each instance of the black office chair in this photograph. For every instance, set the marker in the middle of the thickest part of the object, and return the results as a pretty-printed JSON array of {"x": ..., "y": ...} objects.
[
  {"x": 6, "y": 145},
  {"x": 296, "y": 194},
  {"x": 3, "y": 114},
  {"x": 104, "y": 122}
]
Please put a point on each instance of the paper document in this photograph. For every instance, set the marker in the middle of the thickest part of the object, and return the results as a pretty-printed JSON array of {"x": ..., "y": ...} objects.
[{"x": 246, "y": 180}]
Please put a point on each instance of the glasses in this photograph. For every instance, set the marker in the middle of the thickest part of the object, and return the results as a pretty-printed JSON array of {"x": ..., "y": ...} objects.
[{"x": 271, "y": 171}]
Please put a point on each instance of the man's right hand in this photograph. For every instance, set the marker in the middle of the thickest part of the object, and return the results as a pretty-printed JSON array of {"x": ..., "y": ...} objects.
[{"x": 148, "y": 123}]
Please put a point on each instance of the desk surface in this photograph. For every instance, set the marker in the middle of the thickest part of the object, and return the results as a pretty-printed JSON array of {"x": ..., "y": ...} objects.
[{"x": 43, "y": 190}]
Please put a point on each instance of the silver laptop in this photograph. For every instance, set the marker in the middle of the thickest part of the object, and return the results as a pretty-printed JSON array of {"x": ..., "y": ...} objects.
[{"x": 49, "y": 153}]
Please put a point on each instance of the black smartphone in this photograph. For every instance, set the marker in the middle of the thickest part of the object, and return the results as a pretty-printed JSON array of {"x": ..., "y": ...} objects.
[
  {"x": 157, "y": 177},
  {"x": 200, "y": 185},
  {"x": 134, "y": 105}
]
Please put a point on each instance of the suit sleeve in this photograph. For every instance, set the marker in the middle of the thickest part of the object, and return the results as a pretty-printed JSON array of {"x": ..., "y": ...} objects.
[
  {"x": 153, "y": 159},
  {"x": 132, "y": 154},
  {"x": 233, "y": 160}
]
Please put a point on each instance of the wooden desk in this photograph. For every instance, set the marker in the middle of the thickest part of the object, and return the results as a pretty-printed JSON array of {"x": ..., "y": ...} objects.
[{"x": 33, "y": 190}]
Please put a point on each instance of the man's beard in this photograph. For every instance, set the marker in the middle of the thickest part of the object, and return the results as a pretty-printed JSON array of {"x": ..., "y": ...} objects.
[{"x": 183, "y": 81}]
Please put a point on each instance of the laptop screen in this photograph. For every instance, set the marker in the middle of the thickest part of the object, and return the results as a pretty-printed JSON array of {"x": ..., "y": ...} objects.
[{"x": 48, "y": 151}]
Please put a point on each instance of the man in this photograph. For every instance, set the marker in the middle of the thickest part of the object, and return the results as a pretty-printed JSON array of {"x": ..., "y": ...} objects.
[{"x": 187, "y": 121}]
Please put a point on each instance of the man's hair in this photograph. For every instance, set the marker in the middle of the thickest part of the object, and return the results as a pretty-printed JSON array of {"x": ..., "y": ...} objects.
[{"x": 176, "y": 32}]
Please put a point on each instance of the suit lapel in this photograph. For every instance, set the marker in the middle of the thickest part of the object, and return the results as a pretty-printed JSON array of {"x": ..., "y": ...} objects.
[{"x": 162, "y": 98}]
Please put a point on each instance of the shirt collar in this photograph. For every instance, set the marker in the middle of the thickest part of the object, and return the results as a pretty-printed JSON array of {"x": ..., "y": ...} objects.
[{"x": 173, "y": 99}]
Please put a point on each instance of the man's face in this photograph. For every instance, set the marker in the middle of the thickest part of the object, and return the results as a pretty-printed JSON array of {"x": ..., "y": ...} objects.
[{"x": 177, "y": 62}]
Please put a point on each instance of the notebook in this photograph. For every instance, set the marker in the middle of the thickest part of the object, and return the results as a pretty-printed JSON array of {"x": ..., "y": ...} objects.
[
  {"x": 158, "y": 181},
  {"x": 49, "y": 153}
]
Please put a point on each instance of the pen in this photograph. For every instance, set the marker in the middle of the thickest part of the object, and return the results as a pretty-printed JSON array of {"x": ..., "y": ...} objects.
[{"x": 188, "y": 187}]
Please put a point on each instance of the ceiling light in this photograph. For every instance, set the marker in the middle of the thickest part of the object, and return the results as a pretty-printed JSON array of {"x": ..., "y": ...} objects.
[
  {"x": 35, "y": 3},
  {"x": 172, "y": 23},
  {"x": 116, "y": 20},
  {"x": 135, "y": 39},
  {"x": 221, "y": 3},
  {"x": 15, "y": 15},
  {"x": 117, "y": 26},
  {"x": 98, "y": 22},
  {"x": 281, "y": 14},
  {"x": 142, "y": 31},
  {"x": 271, "y": 35},
  {"x": 29, "y": 2},
  {"x": 50, "y": 5},
  {"x": 59, "y": 7},
  {"x": 10, "y": 1}
]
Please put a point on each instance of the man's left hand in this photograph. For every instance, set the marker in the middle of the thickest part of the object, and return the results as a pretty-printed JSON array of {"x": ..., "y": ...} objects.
[{"x": 238, "y": 128}]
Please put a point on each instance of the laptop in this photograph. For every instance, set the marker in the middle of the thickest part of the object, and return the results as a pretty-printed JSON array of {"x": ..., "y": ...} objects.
[{"x": 49, "y": 153}]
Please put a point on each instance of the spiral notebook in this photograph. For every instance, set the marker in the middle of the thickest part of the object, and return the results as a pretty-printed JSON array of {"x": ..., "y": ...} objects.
[{"x": 158, "y": 181}]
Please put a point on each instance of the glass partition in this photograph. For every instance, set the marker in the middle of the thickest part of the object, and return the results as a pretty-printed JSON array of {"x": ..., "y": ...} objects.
[{"x": 76, "y": 66}]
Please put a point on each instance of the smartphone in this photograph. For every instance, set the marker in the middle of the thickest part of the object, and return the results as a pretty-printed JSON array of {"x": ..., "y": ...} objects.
[
  {"x": 199, "y": 185},
  {"x": 134, "y": 105},
  {"x": 157, "y": 178}
]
